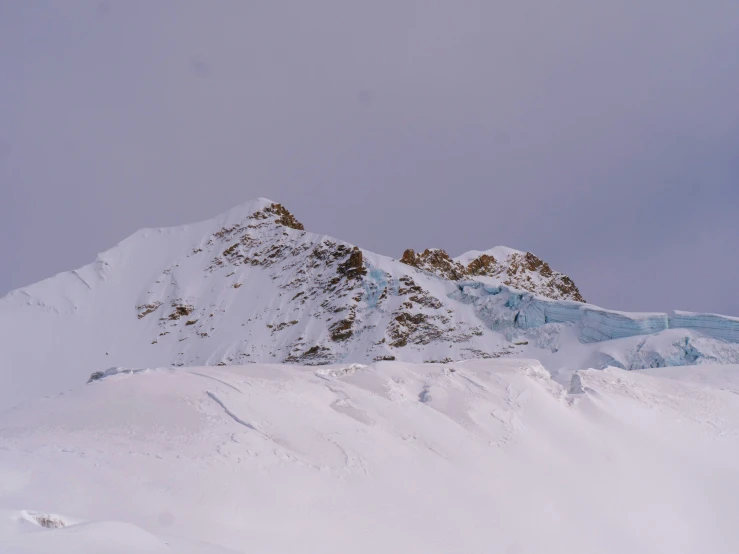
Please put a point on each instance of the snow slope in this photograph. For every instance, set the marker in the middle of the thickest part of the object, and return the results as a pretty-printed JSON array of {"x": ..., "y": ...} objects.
[
  {"x": 251, "y": 285},
  {"x": 475, "y": 457}
]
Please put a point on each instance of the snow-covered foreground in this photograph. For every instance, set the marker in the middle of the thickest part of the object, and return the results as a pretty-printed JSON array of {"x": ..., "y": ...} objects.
[{"x": 483, "y": 456}]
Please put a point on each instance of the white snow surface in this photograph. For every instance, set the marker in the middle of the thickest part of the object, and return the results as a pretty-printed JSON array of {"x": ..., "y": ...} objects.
[
  {"x": 475, "y": 457},
  {"x": 500, "y": 253}
]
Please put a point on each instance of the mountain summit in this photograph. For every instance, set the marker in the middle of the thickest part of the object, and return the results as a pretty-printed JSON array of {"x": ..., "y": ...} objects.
[
  {"x": 251, "y": 285},
  {"x": 499, "y": 265}
]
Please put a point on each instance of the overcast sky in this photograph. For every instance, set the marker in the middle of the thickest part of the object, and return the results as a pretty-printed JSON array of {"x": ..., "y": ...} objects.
[{"x": 602, "y": 136}]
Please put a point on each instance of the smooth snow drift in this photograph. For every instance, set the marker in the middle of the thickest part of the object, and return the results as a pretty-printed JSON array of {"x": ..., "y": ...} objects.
[{"x": 473, "y": 457}]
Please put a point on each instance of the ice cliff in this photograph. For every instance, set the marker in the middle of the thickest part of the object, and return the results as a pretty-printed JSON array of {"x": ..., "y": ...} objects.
[{"x": 501, "y": 307}]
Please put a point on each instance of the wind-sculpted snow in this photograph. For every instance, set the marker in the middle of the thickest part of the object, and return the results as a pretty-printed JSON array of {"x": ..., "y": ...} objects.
[
  {"x": 674, "y": 347},
  {"x": 477, "y": 456}
]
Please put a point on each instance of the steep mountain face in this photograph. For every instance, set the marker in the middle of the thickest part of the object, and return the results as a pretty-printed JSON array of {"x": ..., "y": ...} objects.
[{"x": 251, "y": 285}]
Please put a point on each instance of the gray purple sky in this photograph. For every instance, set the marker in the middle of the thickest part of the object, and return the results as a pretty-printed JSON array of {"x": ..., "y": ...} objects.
[{"x": 602, "y": 136}]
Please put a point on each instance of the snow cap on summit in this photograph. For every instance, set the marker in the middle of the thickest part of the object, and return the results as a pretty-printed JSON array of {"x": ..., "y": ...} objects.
[
  {"x": 260, "y": 205},
  {"x": 500, "y": 253}
]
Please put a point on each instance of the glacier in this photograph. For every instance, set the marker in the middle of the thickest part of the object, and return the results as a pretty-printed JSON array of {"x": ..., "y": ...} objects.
[
  {"x": 501, "y": 307},
  {"x": 714, "y": 325}
]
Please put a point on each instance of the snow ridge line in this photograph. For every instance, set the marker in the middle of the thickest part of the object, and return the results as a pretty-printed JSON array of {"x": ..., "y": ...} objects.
[
  {"x": 229, "y": 413},
  {"x": 218, "y": 380}
]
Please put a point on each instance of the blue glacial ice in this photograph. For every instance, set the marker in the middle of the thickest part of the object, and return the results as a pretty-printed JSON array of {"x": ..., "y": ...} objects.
[
  {"x": 597, "y": 324},
  {"x": 714, "y": 325},
  {"x": 501, "y": 307},
  {"x": 674, "y": 347},
  {"x": 375, "y": 284}
]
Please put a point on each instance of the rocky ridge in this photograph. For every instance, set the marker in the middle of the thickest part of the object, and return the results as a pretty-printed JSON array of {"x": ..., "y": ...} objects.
[
  {"x": 519, "y": 270},
  {"x": 328, "y": 281}
]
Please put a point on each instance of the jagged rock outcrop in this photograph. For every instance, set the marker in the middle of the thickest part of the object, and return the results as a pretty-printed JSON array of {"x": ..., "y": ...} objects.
[
  {"x": 521, "y": 270},
  {"x": 283, "y": 217},
  {"x": 482, "y": 265},
  {"x": 435, "y": 261}
]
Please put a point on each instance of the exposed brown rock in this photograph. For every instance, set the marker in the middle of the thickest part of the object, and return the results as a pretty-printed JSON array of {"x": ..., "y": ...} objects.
[
  {"x": 342, "y": 330},
  {"x": 315, "y": 355},
  {"x": 567, "y": 288},
  {"x": 180, "y": 310},
  {"x": 483, "y": 265},
  {"x": 283, "y": 216},
  {"x": 435, "y": 261},
  {"x": 528, "y": 262},
  {"x": 409, "y": 258},
  {"x": 417, "y": 328},
  {"x": 146, "y": 309},
  {"x": 526, "y": 272},
  {"x": 353, "y": 267},
  {"x": 283, "y": 325},
  {"x": 286, "y": 218}
]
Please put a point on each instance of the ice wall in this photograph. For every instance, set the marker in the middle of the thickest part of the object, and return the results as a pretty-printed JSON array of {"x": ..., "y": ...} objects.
[
  {"x": 598, "y": 324},
  {"x": 501, "y": 307},
  {"x": 714, "y": 325}
]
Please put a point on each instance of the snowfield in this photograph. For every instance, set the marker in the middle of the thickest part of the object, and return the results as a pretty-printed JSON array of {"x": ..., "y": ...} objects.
[{"x": 466, "y": 457}]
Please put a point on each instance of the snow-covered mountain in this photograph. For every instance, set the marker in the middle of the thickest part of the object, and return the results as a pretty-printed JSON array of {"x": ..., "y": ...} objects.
[
  {"x": 251, "y": 285},
  {"x": 472, "y": 457},
  {"x": 269, "y": 394}
]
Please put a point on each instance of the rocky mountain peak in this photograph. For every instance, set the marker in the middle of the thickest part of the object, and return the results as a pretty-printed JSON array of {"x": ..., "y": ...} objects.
[
  {"x": 481, "y": 265},
  {"x": 520, "y": 270},
  {"x": 435, "y": 261},
  {"x": 280, "y": 215}
]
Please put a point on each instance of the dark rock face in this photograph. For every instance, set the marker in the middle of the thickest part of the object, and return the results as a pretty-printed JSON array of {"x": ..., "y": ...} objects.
[
  {"x": 180, "y": 310},
  {"x": 567, "y": 288},
  {"x": 409, "y": 258},
  {"x": 522, "y": 271},
  {"x": 435, "y": 261},
  {"x": 283, "y": 217},
  {"x": 343, "y": 329},
  {"x": 481, "y": 265},
  {"x": 353, "y": 267},
  {"x": 526, "y": 271}
]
